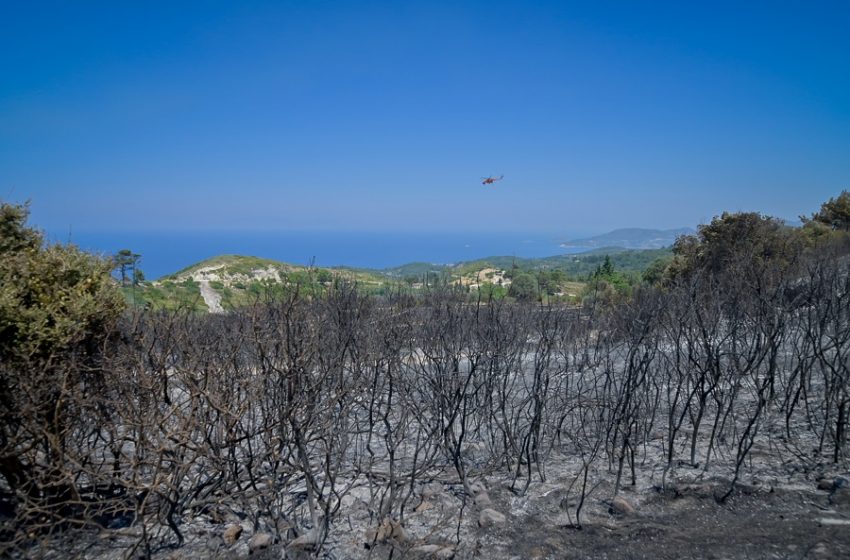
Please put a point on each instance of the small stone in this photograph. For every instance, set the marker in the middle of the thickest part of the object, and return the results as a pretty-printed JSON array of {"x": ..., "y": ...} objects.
[
  {"x": 232, "y": 533},
  {"x": 214, "y": 542},
  {"x": 482, "y": 500},
  {"x": 398, "y": 534},
  {"x": 445, "y": 553},
  {"x": 432, "y": 551},
  {"x": 820, "y": 550},
  {"x": 306, "y": 541},
  {"x": 424, "y": 506},
  {"x": 477, "y": 487},
  {"x": 491, "y": 517},
  {"x": 389, "y": 530},
  {"x": 622, "y": 506},
  {"x": 260, "y": 541}
]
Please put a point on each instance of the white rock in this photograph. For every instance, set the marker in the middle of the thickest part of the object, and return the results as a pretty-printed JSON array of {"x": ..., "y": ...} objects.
[
  {"x": 491, "y": 517},
  {"x": 390, "y": 529},
  {"x": 445, "y": 553},
  {"x": 432, "y": 551},
  {"x": 482, "y": 500},
  {"x": 260, "y": 541},
  {"x": 477, "y": 487},
  {"x": 306, "y": 541},
  {"x": 622, "y": 506}
]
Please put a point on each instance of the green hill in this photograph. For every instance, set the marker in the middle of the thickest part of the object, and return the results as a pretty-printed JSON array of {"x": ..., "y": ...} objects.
[
  {"x": 575, "y": 266},
  {"x": 227, "y": 282}
]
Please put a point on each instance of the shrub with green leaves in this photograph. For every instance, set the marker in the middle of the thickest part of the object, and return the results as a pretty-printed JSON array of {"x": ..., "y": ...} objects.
[
  {"x": 524, "y": 287},
  {"x": 51, "y": 296},
  {"x": 58, "y": 305}
]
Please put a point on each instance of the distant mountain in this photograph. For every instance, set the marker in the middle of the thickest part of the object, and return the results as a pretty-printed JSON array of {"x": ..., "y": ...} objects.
[{"x": 631, "y": 238}]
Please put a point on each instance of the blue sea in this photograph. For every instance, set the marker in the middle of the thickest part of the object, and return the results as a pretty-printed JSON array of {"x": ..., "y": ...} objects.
[{"x": 167, "y": 252}]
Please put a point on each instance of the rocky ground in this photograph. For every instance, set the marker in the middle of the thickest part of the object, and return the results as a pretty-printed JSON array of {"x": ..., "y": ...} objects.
[
  {"x": 687, "y": 522},
  {"x": 804, "y": 515}
]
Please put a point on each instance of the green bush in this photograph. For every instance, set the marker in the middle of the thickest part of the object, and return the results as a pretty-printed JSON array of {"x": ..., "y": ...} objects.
[
  {"x": 58, "y": 305},
  {"x": 51, "y": 296},
  {"x": 523, "y": 287}
]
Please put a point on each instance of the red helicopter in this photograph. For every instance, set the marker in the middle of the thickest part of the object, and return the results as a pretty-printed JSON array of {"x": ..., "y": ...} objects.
[{"x": 491, "y": 180}]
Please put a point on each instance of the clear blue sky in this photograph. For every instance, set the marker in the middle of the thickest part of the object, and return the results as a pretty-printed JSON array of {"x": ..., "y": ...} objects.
[{"x": 383, "y": 116}]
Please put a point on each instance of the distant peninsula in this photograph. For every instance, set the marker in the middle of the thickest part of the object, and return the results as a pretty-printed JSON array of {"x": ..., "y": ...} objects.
[{"x": 631, "y": 238}]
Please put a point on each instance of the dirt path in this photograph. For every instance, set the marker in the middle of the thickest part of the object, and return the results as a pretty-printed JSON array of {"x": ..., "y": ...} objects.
[{"x": 211, "y": 297}]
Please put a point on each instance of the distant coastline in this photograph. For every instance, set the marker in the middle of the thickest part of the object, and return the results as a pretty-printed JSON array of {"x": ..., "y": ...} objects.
[
  {"x": 630, "y": 238},
  {"x": 166, "y": 252}
]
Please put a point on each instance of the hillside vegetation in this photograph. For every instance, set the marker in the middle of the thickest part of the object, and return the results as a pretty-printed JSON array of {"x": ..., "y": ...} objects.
[{"x": 239, "y": 281}]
